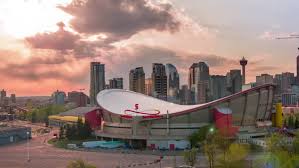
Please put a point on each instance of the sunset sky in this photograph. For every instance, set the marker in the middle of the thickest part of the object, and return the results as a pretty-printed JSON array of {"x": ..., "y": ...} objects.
[{"x": 47, "y": 44}]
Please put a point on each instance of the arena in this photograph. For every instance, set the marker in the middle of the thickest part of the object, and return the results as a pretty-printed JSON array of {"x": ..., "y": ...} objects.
[{"x": 144, "y": 121}]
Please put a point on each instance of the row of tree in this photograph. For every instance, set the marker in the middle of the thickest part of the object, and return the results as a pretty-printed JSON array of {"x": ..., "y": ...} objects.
[
  {"x": 292, "y": 122},
  {"x": 41, "y": 114},
  {"x": 282, "y": 151},
  {"x": 76, "y": 131},
  {"x": 219, "y": 150}
]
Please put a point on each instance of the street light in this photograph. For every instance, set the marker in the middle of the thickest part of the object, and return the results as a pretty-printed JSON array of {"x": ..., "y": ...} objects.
[
  {"x": 28, "y": 154},
  {"x": 211, "y": 130}
]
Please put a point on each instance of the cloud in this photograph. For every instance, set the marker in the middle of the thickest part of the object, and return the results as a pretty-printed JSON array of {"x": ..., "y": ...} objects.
[
  {"x": 120, "y": 19},
  {"x": 59, "y": 40}
]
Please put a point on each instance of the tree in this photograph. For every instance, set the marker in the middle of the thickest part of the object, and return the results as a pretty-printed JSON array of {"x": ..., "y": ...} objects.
[
  {"x": 69, "y": 133},
  {"x": 291, "y": 123},
  {"x": 199, "y": 136},
  {"x": 297, "y": 123},
  {"x": 223, "y": 144},
  {"x": 86, "y": 130},
  {"x": 190, "y": 157},
  {"x": 80, "y": 128},
  {"x": 280, "y": 154},
  {"x": 33, "y": 116},
  {"x": 61, "y": 133},
  {"x": 236, "y": 156},
  {"x": 79, "y": 164},
  {"x": 285, "y": 124},
  {"x": 210, "y": 149}
]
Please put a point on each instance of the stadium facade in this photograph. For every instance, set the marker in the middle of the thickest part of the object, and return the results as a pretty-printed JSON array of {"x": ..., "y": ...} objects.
[{"x": 144, "y": 121}]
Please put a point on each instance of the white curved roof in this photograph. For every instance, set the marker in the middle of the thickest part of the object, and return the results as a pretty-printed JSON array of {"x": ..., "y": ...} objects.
[{"x": 120, "y": 101}]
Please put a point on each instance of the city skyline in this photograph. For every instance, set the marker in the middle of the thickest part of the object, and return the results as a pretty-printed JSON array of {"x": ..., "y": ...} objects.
[{"x": 55, "y": 53}]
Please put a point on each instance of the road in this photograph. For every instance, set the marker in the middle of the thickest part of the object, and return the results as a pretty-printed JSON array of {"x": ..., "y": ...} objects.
[{"x": 43, "y": 155}]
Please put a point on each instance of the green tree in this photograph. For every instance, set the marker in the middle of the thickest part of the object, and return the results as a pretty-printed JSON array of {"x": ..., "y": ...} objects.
[
  {"x": 68, "y": 132},
  {"x": 190, "y": 157},
  {"x": 210, "y": 149},
  {"x": 199, "y": 136},
  {"x": 86, "y": 130},
  {"x": 280, "y": 154},
  {"x": 297, "y": 123},
  {"x": 61, "y": 133},
  {"x": 291, "y": 123},
  {"x": 79, "y": 164},
  {"x": 80, "y": 128},
  {"x": 33, "y": 116},
  {"x": 235, "y": 156},
  {"x": 285, "y": 124},
  {"x": 223, "y": 143}
]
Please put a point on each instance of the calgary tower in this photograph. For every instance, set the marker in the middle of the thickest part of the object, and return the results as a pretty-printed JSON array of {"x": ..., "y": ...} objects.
[{"x": 243, "y": 63}]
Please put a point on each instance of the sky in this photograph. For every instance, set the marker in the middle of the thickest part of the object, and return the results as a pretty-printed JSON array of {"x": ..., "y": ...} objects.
[{"x": 48, "y": 45}]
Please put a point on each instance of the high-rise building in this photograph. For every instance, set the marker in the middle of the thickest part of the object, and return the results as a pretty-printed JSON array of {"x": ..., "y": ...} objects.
[
  {"x": 185, "y": 95},
  {"x": 116, "y": 83},
  {"x": 234, "y": 81},
  {"x": 13, "y": 98},
  {"x": 58, "y": 97},
  {"x": 202, "y": 92},
  {"x": 243, "y": 63},
  {"x": 148, "y": 87},
  {"x": 173, "y": 83},
  {"x": 278, "y": 81},
  {"x": 97, "y": 80},
  {"x": 79, "y": 98},
  {"x": 199, "y": 75},
  {"x": 159, "y": 79},
  {"x": 137, "y": 80},
  {"x": 3, "y": 94},
  {"x": 287, "y": 80},
  {"x": 218, "y": 87},
  {"x": 198, "y": 72},
  {"x": 264, "y": 79}
]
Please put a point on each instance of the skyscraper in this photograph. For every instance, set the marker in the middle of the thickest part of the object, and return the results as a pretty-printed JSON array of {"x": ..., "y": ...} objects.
[
  {"x": 234, "y": 81},
  {"x": 148, "y": 87},
  {"x": 13, "y": 98},
  {"x": 264, "y": 79},
  {"x": 185, "y": 95},
  {"x": 173, "y": 83},
  {"x": 116, "y": 83},
  {"x": 79, "y": 98},
  {"x": 218, "y": 87},
  {"x": 159, "y": 79},
  {"x": 199, "y": 75},
  {"x": 3, "y": 94},
  {"x": 97, "y": 80},
  {"x": 243, "y": 63},
  {"x": 58, "y": 97},
  {"x": 137, "y": 80},
  {"x": 287, "y": 80}
]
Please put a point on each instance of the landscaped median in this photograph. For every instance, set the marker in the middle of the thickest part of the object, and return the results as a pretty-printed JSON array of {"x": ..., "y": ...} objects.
[{"x": 63, "y": 143}]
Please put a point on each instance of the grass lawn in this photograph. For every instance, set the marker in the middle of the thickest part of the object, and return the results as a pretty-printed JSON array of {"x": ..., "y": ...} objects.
[{"x": 62, "y": 143}]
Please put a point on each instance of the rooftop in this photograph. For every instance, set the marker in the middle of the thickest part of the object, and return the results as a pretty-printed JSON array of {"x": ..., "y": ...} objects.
[{"x": 79, "y": 111}]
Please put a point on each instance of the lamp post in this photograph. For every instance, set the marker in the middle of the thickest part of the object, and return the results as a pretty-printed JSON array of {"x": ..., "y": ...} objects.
[{"x": 28, "y": 154}]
